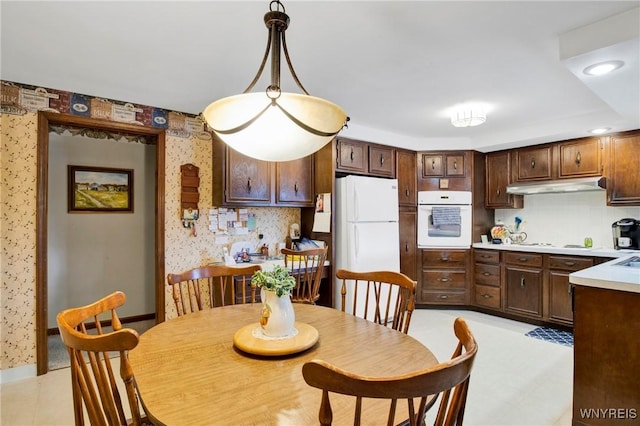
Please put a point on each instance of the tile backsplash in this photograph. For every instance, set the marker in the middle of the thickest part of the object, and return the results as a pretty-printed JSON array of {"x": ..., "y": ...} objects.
[{"x": 567, "y": 218}]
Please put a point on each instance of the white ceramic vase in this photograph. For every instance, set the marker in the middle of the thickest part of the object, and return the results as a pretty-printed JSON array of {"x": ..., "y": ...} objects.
[{"x": 278, "y": 317}]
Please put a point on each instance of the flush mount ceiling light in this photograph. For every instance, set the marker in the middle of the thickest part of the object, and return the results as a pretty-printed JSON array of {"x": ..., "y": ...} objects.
[
  {"x": 272, "y": 125},
  {"x": 600, "y": 130},
  {"x": 468, "y": 116},
  {"x": 603, "y": 68}
]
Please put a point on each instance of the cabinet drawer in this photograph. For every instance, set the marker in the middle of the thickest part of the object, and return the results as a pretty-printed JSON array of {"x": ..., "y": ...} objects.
[
  {"x": 569, "y": 263},
  {"x": 443, "y": 279},
  {"x": 486, "y": 256},
  {"x": 443, "y": 298},
  {"x": 487, "y": 274},
  {"x": 487, "y": 296},
  {"x": 524, "y": 259},
  {"x": 444, "y": 258}
]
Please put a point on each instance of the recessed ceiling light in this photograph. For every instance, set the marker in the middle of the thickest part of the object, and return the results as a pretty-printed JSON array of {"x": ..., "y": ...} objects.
[
  {"x": 602, "y": 68},
  {"x": 600, "y": 130}
]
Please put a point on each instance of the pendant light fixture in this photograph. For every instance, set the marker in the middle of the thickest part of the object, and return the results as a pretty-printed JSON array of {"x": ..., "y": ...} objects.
[{"x": 275, "y": 125}]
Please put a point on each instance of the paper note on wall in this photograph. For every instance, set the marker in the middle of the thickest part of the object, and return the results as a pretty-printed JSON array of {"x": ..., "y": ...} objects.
[{"x": 322, "y": 216}]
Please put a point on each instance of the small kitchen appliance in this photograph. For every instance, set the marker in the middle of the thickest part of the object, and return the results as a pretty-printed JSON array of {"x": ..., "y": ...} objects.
[{"x": 626, "y": 234}]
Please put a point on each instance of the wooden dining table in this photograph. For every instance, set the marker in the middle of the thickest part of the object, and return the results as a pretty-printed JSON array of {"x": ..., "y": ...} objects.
[{"x": 188, "y": 371}]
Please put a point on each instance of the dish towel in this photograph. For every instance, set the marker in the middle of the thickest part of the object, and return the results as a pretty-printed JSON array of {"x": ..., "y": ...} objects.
[{"x": 446, "y": 216}]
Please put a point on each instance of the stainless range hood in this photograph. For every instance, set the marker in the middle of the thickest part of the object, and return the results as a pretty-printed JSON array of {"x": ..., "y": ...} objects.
[{"x": 561, "y": 185}]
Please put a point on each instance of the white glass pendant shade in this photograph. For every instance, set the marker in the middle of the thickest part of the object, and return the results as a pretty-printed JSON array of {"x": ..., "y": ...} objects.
[{"x": 254, "y": 126}]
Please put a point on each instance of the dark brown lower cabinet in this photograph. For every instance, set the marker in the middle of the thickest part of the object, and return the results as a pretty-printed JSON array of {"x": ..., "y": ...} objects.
[
  {"x": 606, "y": 351},
  {"x": 524, "y": 291}
]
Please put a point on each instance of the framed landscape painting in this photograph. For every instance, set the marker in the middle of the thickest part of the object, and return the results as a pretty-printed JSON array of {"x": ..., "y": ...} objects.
[{"x": 99, "y": 189}]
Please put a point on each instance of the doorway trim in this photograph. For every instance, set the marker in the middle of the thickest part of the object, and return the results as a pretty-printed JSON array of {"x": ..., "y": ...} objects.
[{"x": 44, "y": 119}]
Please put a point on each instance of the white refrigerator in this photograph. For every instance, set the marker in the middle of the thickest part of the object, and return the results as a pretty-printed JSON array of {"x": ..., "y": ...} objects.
[{"x": 367, "y": 232}]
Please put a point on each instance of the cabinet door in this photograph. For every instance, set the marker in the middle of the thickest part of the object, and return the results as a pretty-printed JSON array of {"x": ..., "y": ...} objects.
[
  {"x": 533, "y": 163},
  {"x": 294, "y": 182},
  {"x": 248, "y": 180},
  {"x": 580, "y": 158},
  {"x": 406, "y": 174},
  {"x": 560, "y": 308},
  {"x": 455, "y": 165},
  {"x": 432, "y": 165},
  {"x": 382, "y": 161},
  {"x": 352, "y": 156},
  {"x": 407, "y": 223},
  {"x": 623, "y": 184},
  {"x": 524, "y": 291},
  {"x": 498, "y": 172}
]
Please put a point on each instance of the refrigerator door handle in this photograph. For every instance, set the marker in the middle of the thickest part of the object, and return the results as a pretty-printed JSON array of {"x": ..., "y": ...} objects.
[
  {"x": 356, "y": 205},
  {"x": 356, "y": 242}
]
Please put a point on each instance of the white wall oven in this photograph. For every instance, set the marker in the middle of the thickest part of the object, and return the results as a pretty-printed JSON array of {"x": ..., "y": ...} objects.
[{"x": 444, "y": 219}]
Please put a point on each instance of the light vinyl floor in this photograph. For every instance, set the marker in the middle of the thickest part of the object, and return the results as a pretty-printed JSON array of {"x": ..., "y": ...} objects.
[{"x": 516, "y": 380}]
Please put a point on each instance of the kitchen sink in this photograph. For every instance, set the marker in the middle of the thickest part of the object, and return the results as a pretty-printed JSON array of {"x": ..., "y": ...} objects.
[{"x": 632, "y": 262}]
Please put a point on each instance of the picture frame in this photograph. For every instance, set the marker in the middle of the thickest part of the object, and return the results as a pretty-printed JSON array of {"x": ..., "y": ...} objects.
[{"x": 99, "y": 189}]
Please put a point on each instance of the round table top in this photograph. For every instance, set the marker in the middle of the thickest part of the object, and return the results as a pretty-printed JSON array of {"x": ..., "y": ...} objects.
[{"x": 189, "y": 372}]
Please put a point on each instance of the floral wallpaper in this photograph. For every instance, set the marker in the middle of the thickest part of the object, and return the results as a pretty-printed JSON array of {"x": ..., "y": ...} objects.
[
  {"x": 18, "y": 188},
  {"x": 18, "y": 238}
]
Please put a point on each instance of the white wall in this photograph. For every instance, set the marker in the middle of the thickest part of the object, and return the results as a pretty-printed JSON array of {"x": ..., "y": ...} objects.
[
  {"x": 567, "y": 218},
  {"x": 91, "y": 255}
]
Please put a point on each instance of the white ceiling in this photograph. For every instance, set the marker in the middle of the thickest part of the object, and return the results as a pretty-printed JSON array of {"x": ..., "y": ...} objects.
[{"x": 395, "y": 67}]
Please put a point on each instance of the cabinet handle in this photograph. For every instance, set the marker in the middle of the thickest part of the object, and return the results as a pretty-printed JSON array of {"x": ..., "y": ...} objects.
[
  {"x": 484, "y": 256},
  {"x": 351, "y": 155},
  {"x": 295, "y": 187},
  {"x": 443, "y": 296},
  {"x": 444, "y": 259},
  {"x": 444, "y": 280},
  {"x": 578, "y": 158},
  {"x": 533, "y": 163},
  {"x": 487, "y": 296},
  {"x": 569, "y": 288},
  {"x": 521, "y": 282},
  {"x": 455, "y": 165},
  {"x": 381, "y": 160},
  {"x": 523, "y": 259},
  {"x": 433, "y": 164},
  {"x": 249, "y": 185},
  {"x": 486, "y": 274},
  {"x": 497, "y": 192},
  {"x": 406, "y": 247},
  {"x": 406, "y": 192},
  {"x": 569, "y": 263}
]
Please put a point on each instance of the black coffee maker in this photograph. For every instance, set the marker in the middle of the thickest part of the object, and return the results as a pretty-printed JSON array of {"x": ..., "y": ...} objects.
[{"x": 626, "y": 234}]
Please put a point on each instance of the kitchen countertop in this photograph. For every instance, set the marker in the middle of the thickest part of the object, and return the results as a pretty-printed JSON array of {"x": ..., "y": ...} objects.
[
  {"x": 594, "y": 251},
  {"x": 609, "y": 275}
]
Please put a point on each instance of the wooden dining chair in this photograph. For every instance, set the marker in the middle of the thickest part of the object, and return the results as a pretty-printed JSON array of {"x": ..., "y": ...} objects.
[
  {"x": 384, "y": 297},
  {"x": 306, "y": 266},
  {"x": 91, "y": 344},
  {"x": 450, "y": 379},
  {"x": 211, "y": 286}
]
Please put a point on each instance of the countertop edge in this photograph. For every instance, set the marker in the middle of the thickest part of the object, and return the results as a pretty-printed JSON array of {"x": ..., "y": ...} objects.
[
  {"x": 609, "y": 276},
  {"x": 593, "y": 252}
]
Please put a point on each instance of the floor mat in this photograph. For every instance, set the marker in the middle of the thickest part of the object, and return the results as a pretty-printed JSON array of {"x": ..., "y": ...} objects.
[{"x": 552, "y": 335}]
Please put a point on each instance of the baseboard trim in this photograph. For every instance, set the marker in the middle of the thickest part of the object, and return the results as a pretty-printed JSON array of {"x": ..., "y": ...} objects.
[
  {"x": 17, "y": 373},
  {"x": 106, "y": 323}
]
